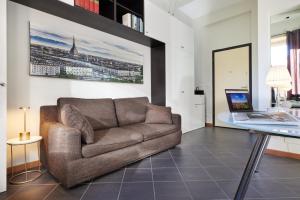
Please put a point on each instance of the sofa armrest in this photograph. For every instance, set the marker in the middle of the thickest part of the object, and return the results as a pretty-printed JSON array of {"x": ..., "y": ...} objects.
[
  {"x": 176, "y": 118},
  {"x": 64, "y": 143}
]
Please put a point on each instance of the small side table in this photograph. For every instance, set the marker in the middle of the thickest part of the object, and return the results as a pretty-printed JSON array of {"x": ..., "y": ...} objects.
[{"x": 17, "y": 142}]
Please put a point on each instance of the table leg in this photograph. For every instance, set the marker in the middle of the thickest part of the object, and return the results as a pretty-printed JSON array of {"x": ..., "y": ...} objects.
[
  {"x": 11, "y": 160},
  {"x": 39, "y": 155},
  {"x": 25, "y": 162},
  {"x": 265, "y": 146},
  {"x": 253, "y": 161}
]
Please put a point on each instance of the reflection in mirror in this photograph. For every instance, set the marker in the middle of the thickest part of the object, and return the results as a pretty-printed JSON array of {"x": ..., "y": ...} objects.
[{"x": 285, "y": 51}]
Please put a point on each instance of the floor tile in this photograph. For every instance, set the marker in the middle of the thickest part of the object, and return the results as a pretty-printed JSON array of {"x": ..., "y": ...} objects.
[
  {"x": 159, "y": 163},
  {"x": 171, "y": 191},
  {"x": 137, "y": 175},
  {"x": 210, "y": 162},
  {"x": 272, "y": 189},
  {"x": 61, "y": 193},
  {"x": 114, "y": 177},
  {"x": 33, "y": 192},
  {"x": 221, "y": 173},
  {"x": 283, "y": 171},
  {"x": 11, "y": 190},
  {"x": 164, "y": 155},
  {"x": 137, "y": 191},
  {"x": 102, "y": 191},
  {"x": 230, "y": 187},
  {"x": 166, "y": 174},
  {"x": 187, "y": 162},
  {"x": 292, "y": 184},
  {"x": 202, "y": 190},
  {"x": 141, "y": 164},
  {"x": 194, "y": 174}
]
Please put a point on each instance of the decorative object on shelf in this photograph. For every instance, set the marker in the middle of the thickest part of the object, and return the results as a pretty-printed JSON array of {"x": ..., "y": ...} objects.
[
  {"x": 63, "y": 55},
  {"x": 25, "y": 132},
  {"x": 280, "y": 79},
  {"x": 133, "y": 22}
]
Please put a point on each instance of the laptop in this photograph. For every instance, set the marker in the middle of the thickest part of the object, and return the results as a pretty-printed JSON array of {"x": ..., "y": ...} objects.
[{"x": 240, "y": 106}]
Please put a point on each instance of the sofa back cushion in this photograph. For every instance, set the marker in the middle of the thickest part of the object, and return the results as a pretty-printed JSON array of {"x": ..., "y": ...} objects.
[
  {"x": 71, "y": 117},
  {"x": 131, "y": 110},
  {"x": 99, "y": 112},
  {"x": 158, "y": 115}
]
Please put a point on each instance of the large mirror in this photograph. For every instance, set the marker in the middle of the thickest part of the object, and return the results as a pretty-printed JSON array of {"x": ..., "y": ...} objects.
[{"x": 285, "y": 53}]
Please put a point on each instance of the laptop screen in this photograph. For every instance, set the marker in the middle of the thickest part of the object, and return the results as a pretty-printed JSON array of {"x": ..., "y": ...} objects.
[{"x": 239, "y": 101}]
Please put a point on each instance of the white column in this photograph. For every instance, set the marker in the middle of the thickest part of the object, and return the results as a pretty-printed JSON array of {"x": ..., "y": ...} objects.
[{"x": 3, "y": 107}]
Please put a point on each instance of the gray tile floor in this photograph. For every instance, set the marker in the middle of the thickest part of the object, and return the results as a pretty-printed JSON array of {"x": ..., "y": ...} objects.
[{"x": 207, "y": 165}]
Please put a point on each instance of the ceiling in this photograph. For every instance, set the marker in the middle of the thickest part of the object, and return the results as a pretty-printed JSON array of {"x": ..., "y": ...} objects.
[
  {"x": 194, "y": 8},
  {"x": 292, "y": 14}
]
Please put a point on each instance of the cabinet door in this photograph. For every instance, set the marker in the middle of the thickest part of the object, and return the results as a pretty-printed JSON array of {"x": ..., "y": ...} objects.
[
  {"x": 156, "y": 22},
  {"x": 182, "y": 36},
  {"x": 184, "y": 85}
]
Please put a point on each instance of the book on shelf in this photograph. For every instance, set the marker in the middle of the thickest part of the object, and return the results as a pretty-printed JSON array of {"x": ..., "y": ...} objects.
[
  {"x": 134, "y": 22},
  {"x": 141, "y": 26},
  {"x": 96, "y": 6},
  {"x": 87, "y": 4},
  {"x": 92, "y": 6},
  {"x": 126, "y": 20}
]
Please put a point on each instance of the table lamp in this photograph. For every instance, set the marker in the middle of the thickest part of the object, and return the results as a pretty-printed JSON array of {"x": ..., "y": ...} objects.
[
  {"x": 279, "y": 78},
  {"x": 24, "y": 108}
]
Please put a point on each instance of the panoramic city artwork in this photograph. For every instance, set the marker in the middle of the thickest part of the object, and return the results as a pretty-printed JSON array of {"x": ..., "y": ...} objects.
[{"x": 64, "y": 55}]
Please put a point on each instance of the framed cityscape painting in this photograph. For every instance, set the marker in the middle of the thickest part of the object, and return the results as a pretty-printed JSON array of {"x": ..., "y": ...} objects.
[{"x": 64, "y": 55}]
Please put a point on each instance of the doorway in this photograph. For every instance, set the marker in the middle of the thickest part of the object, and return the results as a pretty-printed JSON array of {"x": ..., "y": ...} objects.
[{"x": 232, "y": 69}]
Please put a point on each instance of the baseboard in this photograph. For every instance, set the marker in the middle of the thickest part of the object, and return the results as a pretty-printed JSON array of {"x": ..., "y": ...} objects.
[
  {"x": 282, "y": 154},
  {"x": 209, "y": 125},
  {"x": 21, "y": 168}
]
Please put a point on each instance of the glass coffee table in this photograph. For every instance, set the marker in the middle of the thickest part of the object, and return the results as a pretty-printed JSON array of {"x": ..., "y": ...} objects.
[{"x": 264, "y": 132}]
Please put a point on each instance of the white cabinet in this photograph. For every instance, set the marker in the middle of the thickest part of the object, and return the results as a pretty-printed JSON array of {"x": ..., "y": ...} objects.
[
  {"x": 198, "y": 112},
  {"x": 181, "y": 75},
  {"x": 157, "y": 22},
  {"x": 181, "y": 35},
  {"x": 180, "y": 64}
]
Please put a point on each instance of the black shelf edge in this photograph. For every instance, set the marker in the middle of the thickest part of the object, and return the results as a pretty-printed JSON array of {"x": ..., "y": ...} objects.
[{"x": 89, "y": 19}]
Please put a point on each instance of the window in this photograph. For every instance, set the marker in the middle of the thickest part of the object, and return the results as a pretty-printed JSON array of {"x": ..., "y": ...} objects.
[{"x": 279, "y": 50}]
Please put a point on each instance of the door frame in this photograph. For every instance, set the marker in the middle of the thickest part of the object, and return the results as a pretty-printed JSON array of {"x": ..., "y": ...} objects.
[
  {"x": 3, "y": 90},
  {"x": 213, "y": 72}
]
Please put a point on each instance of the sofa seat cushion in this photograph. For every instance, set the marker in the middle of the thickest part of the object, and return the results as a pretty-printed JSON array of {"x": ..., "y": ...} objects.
[
  {"x": 152, "y": 131},
  {"x": 110, "y": 140}
]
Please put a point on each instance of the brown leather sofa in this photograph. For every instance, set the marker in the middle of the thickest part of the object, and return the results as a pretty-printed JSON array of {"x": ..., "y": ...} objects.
[{"x": 121, "y": 138}]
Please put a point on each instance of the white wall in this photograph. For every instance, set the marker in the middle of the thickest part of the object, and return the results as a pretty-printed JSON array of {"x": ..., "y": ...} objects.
[
  {"x": 35, "y": 91},
  {"x": 230, "y": 27},
  {"x": 3, "y": 66}
]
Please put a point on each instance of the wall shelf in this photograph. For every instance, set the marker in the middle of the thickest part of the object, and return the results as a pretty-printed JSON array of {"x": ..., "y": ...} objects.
[
  {"x": 109, "y": 24},
  {"x": 89, "y": 19}
]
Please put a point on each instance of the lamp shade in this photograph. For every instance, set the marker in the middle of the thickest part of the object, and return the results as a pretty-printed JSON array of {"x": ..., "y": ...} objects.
[{"x": 279, "y": 76}]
